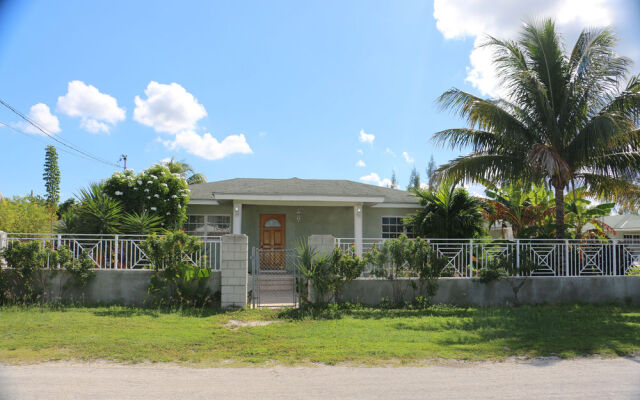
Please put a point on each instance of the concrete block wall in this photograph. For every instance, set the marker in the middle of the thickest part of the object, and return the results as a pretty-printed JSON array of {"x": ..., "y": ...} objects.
[{"x": 234, "y": 268}]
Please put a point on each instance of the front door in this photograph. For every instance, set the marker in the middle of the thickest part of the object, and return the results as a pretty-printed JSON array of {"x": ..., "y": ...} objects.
[{"x": 272, "y": 240}]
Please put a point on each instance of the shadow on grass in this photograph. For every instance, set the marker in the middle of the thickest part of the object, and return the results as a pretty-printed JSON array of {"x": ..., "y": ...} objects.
[{"x": 535, "y": 331}]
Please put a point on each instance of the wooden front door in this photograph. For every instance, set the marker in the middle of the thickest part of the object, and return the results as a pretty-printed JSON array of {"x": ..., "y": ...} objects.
[{"x": 272, "y": 239}]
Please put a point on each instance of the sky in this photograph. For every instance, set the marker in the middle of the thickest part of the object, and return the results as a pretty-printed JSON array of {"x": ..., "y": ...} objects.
[{"x": 264, "y": 89}]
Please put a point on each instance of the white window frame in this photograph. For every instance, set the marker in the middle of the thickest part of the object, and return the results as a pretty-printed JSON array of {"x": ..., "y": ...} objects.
[
  {"x": 631, "y": 238},
  {"x": 193, "y": 233},
  {"x": 404, "y": 227}
]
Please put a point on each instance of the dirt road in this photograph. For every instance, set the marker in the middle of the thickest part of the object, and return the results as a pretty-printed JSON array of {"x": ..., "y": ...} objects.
[{"x": 537, "y": 379}]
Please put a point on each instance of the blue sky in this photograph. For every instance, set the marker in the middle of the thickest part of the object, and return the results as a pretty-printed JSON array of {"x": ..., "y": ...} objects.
[{"x": 251, "y": 88}]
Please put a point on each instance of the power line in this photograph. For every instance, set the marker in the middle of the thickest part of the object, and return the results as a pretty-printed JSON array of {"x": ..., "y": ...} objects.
[
  {"x": 40, "y": 139},
  {"x": 69, "y": 146}
]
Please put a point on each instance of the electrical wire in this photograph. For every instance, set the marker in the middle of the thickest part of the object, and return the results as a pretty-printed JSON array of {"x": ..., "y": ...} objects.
[{"x": 56, "y": 139}]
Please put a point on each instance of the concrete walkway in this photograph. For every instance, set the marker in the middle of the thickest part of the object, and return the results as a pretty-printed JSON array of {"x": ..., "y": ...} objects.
[{"x": 539, "y": 379}]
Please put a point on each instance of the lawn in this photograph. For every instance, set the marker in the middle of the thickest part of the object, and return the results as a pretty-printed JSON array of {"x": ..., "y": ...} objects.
[{"x": 357, "y": 336}]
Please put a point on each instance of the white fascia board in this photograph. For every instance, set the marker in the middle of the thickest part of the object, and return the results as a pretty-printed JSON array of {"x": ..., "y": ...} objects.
[
  {"x": 396, "y": 205},
  {"x": 298, "y": 198},
  {"x": 204, "y": 202}
]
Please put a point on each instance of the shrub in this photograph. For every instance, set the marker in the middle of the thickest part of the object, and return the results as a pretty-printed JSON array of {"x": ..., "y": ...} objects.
[
  {"x": 176, "y": 281},
  {"x": 26, "y": 279},
  {"x": 325, "y": 273},
  {"x": 25, "y": 215},
  {"x": 155, "y": 190}
]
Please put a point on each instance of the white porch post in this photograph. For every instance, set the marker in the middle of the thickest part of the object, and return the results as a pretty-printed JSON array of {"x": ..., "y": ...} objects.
[
  {"x": 237, "y": 218},
  {"x": 357, "y": 227}
]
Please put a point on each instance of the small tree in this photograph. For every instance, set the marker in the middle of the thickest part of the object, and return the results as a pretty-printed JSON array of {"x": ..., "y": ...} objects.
[
  {"x": 51, "y": 176},
  {"x": 414, "y": 180},
  {"x": 431, "y": 172},
  {"x": 394, "y": 180}
]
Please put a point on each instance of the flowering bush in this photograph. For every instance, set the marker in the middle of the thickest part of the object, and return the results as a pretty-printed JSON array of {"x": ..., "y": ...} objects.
[{"x": 156, "y": 190}]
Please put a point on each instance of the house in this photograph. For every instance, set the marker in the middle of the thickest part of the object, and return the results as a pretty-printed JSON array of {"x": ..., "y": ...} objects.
[
  {"x": 626, "y": 227},
  {"x": 277, "y": 213}
]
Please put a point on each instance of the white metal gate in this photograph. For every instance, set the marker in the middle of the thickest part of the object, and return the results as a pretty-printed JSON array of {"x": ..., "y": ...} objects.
[{"x": 274, "y": 276}]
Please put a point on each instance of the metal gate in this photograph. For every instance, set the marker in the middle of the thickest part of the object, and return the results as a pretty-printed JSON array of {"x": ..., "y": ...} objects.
[{"x": 274, "y": 276}]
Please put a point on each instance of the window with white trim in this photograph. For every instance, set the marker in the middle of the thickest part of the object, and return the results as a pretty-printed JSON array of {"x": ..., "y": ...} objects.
[
  {"x": 631, "y": 239},
  {"x": 208, "y": 225},
  {"x": 393, "y": 227}
]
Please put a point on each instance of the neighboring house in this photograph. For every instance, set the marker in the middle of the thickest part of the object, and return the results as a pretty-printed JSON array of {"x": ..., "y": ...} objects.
[
  {"x": 626, "y": 226},
  {"x": 277, "y": 213}
]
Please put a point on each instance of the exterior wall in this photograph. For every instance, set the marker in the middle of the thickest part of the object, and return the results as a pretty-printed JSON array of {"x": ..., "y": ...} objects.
[
  {"x": 538, "y": 290},
  {"x": 337, "y": 221},
  {"x": 127, "y": 287},
  {"x": 373, "y": 219},
  {"x": 316, "y": 220}
]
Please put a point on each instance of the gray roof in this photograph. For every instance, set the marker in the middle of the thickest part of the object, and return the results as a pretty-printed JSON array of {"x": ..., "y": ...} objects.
[
  {"x": 296, "y": 186},
  {"x": 625, "y": 222}
]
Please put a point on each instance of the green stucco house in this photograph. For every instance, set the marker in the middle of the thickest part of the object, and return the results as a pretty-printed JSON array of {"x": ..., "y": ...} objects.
[{"x": 276, "y": 213}]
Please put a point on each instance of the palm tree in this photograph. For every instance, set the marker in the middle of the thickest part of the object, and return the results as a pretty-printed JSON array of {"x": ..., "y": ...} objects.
[
  {"x": 565, "y": 120},
  {"x": 448, "y": 212},
  {"x": 186, "y": 170}
]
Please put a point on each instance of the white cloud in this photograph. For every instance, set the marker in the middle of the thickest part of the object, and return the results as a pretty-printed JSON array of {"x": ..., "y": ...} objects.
[
  {"x": 360, "y": 163},
  {"x": 375, "y": 179},
  {"x": 208, "y": 147},
  {"x": 359, "y": 151},
  {"x": 41, "y": 115},
  {"x": 366, "y": 137},
  {"x": 93, "y": 126},
  {"x": 503, "y": 19},
  {"x": 99, "y": 111},
  {"x": 407, "y": 157},
  {"x": 390, "y": 152},
  {"x": 168, "y": 108}
]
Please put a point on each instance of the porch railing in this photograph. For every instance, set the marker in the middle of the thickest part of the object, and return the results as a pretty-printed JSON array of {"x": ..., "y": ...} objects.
[
  {"x": 113, "y": 251},
  {"x": 555, "y": 257}
]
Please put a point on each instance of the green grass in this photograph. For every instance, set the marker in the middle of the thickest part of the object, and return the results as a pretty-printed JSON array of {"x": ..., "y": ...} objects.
[{"x": 355, "y": 336}]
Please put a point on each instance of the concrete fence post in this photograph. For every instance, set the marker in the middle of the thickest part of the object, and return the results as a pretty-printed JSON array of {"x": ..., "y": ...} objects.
[
  {"x": 234, "y": 268},
  {"x": 3, "y": 244}
]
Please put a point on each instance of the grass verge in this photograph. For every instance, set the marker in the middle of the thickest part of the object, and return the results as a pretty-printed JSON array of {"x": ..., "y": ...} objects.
[{"x": 356, "y": 335}]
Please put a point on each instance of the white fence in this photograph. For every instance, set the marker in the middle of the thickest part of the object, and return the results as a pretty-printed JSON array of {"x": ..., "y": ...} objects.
[
  {"x": 112, "y": 251},
  {"x": 555, "y": 257}
]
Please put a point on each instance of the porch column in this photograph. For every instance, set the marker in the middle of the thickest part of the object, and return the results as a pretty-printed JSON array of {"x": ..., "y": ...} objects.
[
  {"x": 357, "y": 227},
  {"x": 237, "y": 218}
]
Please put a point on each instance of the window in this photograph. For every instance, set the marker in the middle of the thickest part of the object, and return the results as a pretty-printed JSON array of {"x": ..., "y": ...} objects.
[
  {"x": 272, "y": 223},
  {"x": 208, "y": 225},
  {"x": 392, "y": 227},
  {"x": 631, "y": 239}
]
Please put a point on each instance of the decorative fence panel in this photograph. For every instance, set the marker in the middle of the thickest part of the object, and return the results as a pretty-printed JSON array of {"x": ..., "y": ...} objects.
[
  {"x": 555, "y": 257},
  {"x": 113, "y": 251}
]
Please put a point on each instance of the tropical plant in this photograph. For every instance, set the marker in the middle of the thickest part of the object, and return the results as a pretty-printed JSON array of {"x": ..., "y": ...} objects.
[
  {"x": 580, "y": 213},
  {"x": 565, "y": 118},
  {"x": 97, "y": 212},
  {"x": 449, "y": 212},
  {"x": 141, "y": 223},
  {"x": 523, "y": 206},
  {"x": 51, "y": 176},
  {"x": 185, "y": 170},
  {"x": 176, "y": 281}
]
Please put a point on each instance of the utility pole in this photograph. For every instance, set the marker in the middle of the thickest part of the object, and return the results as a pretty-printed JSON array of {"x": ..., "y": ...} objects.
[{"x": 123, "y": 157}]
